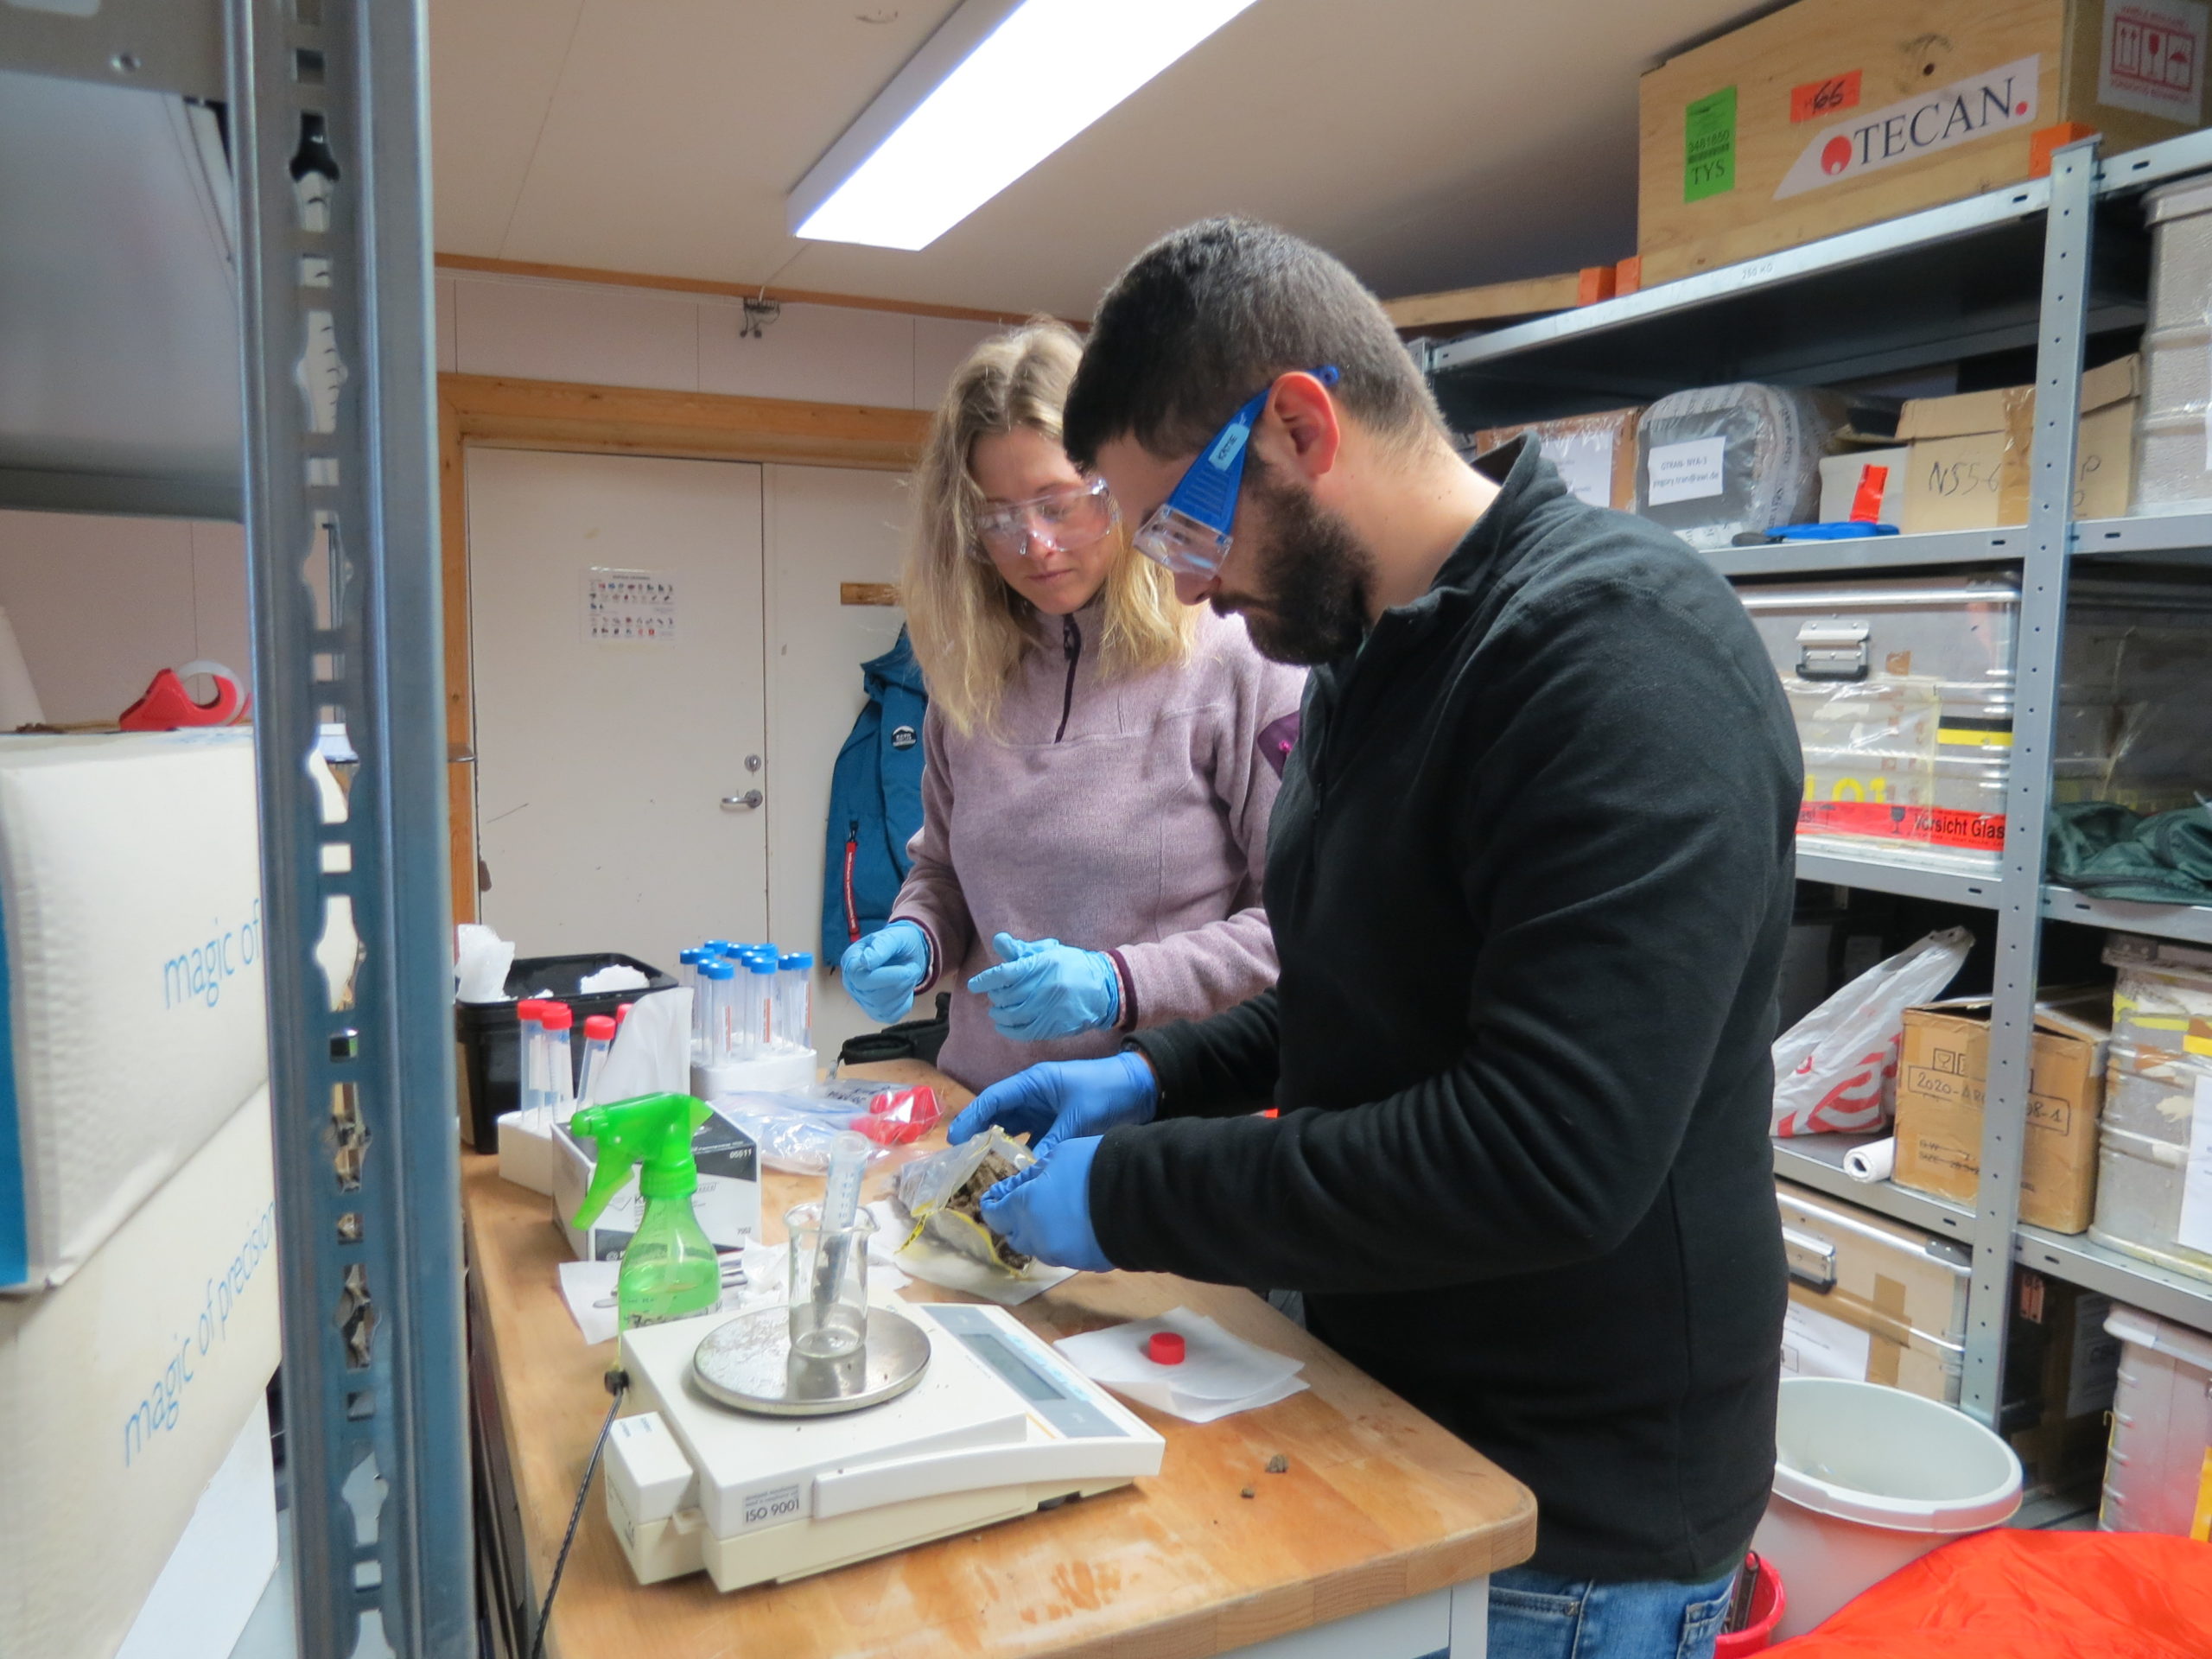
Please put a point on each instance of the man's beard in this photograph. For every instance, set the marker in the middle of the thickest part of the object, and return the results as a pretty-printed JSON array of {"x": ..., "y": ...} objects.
[{"x": 1315, "y": 577}]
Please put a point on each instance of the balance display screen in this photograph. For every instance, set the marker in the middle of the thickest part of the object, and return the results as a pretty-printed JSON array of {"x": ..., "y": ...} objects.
[{"x": 1010, "y": 1365}]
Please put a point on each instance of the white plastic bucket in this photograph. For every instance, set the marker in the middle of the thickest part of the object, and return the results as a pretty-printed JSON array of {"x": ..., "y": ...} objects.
[{"x": 1867, "y": 1479}]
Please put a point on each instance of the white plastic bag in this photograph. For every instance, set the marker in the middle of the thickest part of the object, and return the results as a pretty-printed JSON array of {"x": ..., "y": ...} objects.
[{"x": 1836, "y": 1069}]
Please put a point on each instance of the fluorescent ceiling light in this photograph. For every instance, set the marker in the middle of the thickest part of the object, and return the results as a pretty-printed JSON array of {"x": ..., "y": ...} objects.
[{"x": 998, "y": 88}]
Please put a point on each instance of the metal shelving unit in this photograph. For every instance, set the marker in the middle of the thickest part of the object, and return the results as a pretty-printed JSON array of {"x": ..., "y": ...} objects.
[
  {"x": 2050, "y": 265},
  {"x": 323, "y": 125}
]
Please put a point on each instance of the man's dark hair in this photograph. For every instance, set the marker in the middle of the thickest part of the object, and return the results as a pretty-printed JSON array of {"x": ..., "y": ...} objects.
[{"x": 1207, "y": 316}]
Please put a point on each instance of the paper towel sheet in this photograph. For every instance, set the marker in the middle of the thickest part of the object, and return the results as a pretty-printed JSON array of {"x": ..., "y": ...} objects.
[
  {"x": 1220, "y": 1374},
  {"x": 927, "y": 1259}
]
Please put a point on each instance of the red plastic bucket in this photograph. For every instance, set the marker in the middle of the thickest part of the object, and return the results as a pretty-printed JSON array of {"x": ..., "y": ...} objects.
[{"x": 1768, "y": 1601}]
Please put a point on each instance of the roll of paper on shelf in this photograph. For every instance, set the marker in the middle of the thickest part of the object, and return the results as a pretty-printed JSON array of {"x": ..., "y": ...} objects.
[{"x": 1875, "y": 1161}]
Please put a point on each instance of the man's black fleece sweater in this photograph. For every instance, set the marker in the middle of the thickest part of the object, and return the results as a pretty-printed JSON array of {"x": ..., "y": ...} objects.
[{"x": 1529, "y": 877}]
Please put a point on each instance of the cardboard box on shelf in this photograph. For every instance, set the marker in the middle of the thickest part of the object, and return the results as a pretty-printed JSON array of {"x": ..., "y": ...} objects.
[
  {"x": 1843, "y": 476},
  {"x": 1940, "y": 1090},
  {"x": 1968, "y": 465},
  {"x": 1595, "y": 454},
  {"x": 2061, "y": 1365},
  {"x": 1831, "y": 114},
  {"x": 1870, "y": 1299}
]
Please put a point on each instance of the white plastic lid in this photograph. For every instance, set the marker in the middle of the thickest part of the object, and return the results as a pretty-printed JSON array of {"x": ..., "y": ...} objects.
[
  {"x": 2180, "y": 199},
  {"x": 2162, "y": 1336},
  {"x": 1883, "y": 1458}
]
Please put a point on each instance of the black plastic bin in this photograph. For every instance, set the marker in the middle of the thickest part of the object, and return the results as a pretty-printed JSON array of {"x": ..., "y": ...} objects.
[{"x": 488, "y": 1033}]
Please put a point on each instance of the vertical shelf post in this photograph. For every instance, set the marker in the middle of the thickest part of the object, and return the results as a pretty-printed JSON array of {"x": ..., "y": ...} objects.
[
  {"x": 328, "y": 129},
  {"x": 2036, "y": 676}
]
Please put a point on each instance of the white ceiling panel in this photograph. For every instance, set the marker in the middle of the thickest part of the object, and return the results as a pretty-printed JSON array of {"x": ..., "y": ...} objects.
[{"x": 1429, "y": 142}]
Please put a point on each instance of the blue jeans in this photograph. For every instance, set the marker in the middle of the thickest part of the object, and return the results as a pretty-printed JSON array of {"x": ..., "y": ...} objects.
[{"x": 1542, "y": 1616}]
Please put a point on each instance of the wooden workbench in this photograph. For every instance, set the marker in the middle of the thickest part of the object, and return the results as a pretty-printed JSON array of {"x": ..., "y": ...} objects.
[{"x": 1380, "y": 1504}]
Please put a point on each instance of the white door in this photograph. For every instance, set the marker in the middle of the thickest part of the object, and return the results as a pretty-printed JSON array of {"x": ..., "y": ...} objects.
[
  {"x": 826, "y": 526},
  {"x": 611, "y": 771}
]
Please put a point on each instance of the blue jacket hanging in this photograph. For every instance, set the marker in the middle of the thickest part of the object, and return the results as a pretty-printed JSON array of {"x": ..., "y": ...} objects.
[{"x": 875, "y": 801}]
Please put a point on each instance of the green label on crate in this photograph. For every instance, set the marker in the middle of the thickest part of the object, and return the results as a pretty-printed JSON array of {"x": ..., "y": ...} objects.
[{"x": 1709, "y": 146}]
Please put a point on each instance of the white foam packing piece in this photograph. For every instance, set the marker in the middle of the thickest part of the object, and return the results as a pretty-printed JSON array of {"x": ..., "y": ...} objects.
[
  {"x": 133, "y": 1019},
  {"x": 121, "y": 1394}
]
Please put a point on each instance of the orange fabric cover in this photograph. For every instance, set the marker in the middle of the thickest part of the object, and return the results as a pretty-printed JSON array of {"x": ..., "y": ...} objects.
[{"x": 2031, "y": 1595}]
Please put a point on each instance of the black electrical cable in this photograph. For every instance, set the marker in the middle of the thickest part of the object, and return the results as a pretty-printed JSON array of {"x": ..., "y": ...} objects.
[{"x": 616, "y": 1381}]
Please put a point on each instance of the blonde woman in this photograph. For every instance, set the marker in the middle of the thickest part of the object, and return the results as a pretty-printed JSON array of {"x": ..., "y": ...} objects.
[{"x": 1100, "y": 761}]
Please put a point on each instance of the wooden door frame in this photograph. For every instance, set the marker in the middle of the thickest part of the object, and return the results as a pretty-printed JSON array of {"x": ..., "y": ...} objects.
[{"x": 494, "y": 412}]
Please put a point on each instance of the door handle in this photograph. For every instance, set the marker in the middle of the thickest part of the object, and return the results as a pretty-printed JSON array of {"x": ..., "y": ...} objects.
[{"x": 744, "y": 802}]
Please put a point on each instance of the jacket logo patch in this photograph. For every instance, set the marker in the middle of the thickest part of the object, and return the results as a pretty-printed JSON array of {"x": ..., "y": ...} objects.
[
  {"x": 903, "y": 737},
  {"x": 1276, "y": 739}
]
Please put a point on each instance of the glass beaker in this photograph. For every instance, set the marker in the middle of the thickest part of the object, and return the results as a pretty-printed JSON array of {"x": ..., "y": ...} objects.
[{"x": 828, "y": 1283}]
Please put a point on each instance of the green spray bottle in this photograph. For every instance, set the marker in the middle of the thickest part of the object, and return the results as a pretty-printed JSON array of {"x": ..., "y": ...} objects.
[{"x": 669, "y": 1269}]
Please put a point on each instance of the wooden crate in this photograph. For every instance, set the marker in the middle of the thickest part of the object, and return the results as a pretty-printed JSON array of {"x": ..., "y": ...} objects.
[
  {"x": 1832, "y": 114},
  {"x": 1525, "y": 297}
]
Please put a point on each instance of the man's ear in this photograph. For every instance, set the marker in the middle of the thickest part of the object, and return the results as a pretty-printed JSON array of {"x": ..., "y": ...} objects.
[{"x": 1300, "y": 428}]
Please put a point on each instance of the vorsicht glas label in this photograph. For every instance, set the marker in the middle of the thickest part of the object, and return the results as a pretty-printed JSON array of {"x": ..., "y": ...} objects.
[{"x": 1684, "y": 471}]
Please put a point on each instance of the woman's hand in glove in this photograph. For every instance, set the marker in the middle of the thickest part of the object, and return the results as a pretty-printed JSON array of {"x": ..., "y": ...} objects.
[
  {"x": 883, "y": 971},
  {"x": 1043, "y": 988}
]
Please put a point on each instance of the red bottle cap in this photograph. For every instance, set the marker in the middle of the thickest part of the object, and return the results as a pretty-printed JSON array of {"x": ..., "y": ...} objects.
[
  {"x": 530, "y": 1008},
  {"x": 621, "y": 1012},
  {"x": 1164, "y": 1348},
  {"x": 557, "y": 1016},
  {"x": 599, "y": 1027}
]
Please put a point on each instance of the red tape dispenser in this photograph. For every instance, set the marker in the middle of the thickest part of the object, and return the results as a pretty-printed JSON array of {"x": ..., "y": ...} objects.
[{"x": 168, "y": 707}]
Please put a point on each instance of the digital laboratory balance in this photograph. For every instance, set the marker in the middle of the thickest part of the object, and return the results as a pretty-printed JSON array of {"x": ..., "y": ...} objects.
[{"x": 753, "y": 1461}]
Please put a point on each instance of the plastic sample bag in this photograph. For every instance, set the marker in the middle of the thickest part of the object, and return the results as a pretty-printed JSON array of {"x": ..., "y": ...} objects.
[
  {"x": 1836, "y": 1069},
  {"x": 794, "y": 1130},
  {"x": 1716, "y": 462},
  {"x": 941, "y": 1194}
]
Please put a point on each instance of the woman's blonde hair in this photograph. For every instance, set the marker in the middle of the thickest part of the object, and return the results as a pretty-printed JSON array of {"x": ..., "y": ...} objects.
[{"x": 969, "y": 629}]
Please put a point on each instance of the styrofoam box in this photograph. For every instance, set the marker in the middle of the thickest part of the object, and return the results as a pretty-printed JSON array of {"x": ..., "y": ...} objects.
[
  {"x": 122, "y": 1393},
  {"x": 2161, "y": 1426},
  {"x": 133, "y": 1019}
]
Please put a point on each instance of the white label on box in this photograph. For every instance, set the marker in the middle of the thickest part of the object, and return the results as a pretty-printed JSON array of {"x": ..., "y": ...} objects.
[
  {"x": 2194, "y": 1230},
  {"x": 1585, "y": 461},
  {"x": 2151, "y": 59},
  {"x": 1941, "y": 117},
  {"x": 1814, "y": 1343},
  {"x": 1684, "y": 471}
]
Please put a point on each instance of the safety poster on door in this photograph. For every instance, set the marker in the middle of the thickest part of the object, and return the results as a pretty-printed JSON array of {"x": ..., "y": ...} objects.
[{"x": 629, "y": 605}]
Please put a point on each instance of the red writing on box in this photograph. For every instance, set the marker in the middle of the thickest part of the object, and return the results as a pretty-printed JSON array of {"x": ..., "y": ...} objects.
[
  {"x": 1931, "y": 826},
  {"x": 1816, "y": 99}
]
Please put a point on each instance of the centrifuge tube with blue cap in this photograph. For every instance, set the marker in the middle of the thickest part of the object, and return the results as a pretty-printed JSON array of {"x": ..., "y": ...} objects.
[
  {"x": 760, "y": 1006},
  {"x": 715, "y": 988},
  {"x": 795, "y": 987}
]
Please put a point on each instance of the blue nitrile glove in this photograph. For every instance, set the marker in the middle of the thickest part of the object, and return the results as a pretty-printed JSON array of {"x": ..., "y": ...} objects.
[
  {"x": 883, "y": 971},
  {"x": 1062, "y": 1099},
  {"x": 1043, "y": 988},
  {"x": 1045, "y": 1211}
]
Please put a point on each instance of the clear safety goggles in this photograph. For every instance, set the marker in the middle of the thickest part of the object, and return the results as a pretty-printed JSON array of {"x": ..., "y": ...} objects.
[
  {"x": 1189, "y": 532},
  {"x": 1058, "y": 521}
]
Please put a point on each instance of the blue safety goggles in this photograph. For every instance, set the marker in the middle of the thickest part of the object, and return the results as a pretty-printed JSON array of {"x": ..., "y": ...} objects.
[{"x": 1189, "y": 532}]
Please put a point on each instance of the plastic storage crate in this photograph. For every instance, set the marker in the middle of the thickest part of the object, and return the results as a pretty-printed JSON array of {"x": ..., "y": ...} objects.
[
  {"x": 2158, "y": 1468},
  {"x": 488, "y": 1033},
  {"x": 2158, "y": 1072},
  {"x": 1871, "y": 1299},
  {"x": 1902, "y": 690},
  {"x": 2173, "y": 430}
]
